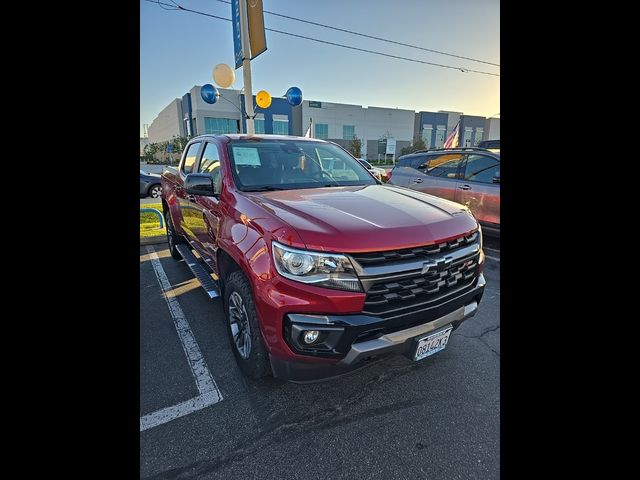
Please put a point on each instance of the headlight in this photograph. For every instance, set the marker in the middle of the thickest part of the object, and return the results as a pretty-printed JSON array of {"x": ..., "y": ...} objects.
[{"x": 330, "y": 270}]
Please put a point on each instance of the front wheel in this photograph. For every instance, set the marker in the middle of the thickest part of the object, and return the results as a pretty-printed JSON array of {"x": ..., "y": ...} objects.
[
  {"x": 155, "y": 191},
  {"x": 173, "y": 238},
  {"x": 243, "y": 327}
]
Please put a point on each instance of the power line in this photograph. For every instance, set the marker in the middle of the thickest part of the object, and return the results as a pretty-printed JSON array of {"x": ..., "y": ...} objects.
[
  {"x": 371, "y": 36},
  {"x": 383, "y": 54},
  {"x": 462, "y": 69}
]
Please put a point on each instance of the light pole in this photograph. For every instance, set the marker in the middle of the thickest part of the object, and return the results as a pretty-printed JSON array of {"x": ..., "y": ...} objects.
[{"x": 246, "y": 67}]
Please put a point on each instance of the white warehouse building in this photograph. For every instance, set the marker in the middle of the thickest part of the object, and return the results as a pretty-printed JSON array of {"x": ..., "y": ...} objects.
[{"x": 337, "y": 122}]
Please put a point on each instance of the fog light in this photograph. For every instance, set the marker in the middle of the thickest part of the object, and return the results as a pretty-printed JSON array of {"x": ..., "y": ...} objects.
[{"x": 311, "y": 336}]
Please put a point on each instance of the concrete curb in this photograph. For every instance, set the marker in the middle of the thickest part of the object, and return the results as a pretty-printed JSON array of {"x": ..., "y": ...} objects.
[{"x": 153, "y": 240}]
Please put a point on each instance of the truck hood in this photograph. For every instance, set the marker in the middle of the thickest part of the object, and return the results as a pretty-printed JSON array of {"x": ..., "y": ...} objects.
[{"x": 366, "y": 218}]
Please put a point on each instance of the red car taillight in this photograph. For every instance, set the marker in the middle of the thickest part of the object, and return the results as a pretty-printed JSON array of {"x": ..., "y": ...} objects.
[{"x": 389, "y": 175}]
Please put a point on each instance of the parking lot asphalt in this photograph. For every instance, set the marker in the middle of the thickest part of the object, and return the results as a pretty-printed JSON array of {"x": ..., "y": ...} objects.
[{"x": 438, "y": 418}]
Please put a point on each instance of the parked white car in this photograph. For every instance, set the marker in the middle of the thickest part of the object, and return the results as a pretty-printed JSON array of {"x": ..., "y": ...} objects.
[{"x": 379, "y": 173}]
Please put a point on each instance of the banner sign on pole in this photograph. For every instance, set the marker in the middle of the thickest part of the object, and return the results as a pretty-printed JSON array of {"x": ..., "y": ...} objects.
[
  {"x": 237, "y": 39},
  {"x": 391, "y": 146},
  {"x": 257, "y": 38}
]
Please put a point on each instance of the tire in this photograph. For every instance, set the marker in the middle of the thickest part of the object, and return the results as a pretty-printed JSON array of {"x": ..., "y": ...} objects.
[
  {"x": 242, "y": 322},
  {"x": 173, "y": 238},
  {"x": 155, "y": 191}
]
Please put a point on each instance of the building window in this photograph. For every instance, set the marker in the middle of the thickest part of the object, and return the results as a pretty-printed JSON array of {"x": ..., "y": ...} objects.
[
  {"x": 281, "y": 127},
  {"x": 440, "y": 136},
  {"x": 220, "y": 125},
  {"x": 466, "y": 140},
  {"x": 321, "y": 130},
  {"x": 258, "y": 125},
  {"x": 427, "y": 130},
  {"x": 348, "y": 132},
  {"x": 478, "y": 136}
]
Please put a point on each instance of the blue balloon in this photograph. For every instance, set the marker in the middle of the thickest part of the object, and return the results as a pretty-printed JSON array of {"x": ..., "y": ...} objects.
[
  {"x": 209, "y": 93},
  {"x": 294, "y": 96}
]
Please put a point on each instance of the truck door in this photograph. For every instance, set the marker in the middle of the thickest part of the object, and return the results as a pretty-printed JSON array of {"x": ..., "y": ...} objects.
[
  {"x": 206, "y": 215},
  {"x": 188, "y": 216},
  {"x": 479, "y": 188}
]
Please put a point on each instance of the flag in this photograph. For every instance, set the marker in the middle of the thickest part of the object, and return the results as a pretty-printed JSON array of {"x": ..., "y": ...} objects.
[
  {"x": 453, "y": 139},
  {"x": 309, "y": 134}
]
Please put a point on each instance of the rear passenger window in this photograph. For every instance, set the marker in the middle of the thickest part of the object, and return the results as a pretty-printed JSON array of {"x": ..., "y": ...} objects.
[
  {"x": 412, "y": 162},
  {"x": 419, "y": 162},
  {"x": 444, "y": 166},
  {"x": 482, "y": 168},
  {"x": 190, "y": 158}
]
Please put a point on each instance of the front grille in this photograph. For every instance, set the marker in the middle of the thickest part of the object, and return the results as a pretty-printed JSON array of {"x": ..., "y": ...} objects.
[
  {"x": 403, "y": 293},
  {"x": 381, "y": 258}
]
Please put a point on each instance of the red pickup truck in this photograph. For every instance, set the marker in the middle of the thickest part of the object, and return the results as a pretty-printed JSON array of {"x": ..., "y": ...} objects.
[{"x": 321, "y": 268}]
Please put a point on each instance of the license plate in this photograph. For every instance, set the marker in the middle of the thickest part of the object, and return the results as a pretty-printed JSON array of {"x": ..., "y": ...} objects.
[{"x": 432, "y": 343}]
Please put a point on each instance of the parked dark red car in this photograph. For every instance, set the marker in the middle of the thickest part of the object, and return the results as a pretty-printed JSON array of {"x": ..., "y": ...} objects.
[{"x": 321, "y": 269}]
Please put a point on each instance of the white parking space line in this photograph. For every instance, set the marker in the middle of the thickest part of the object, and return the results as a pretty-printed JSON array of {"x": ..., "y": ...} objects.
[
  {"x": 492, "y": 258},
  {"x": 209, "y": 392},
  {"x": 491, "y": 249},
  {"x": 180, "y": 410}
]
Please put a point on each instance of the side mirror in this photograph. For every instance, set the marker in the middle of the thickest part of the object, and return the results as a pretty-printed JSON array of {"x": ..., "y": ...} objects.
[
  {"x": 199, "y": 184},
  {"x": 496, "y": 179}
]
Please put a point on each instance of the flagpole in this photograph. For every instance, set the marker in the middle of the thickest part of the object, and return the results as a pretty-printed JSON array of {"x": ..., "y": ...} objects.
[{"x": 309, "y": 132}]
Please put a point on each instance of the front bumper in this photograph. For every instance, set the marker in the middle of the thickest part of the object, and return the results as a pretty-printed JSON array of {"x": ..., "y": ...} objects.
[{"x": 364, "y": 338}]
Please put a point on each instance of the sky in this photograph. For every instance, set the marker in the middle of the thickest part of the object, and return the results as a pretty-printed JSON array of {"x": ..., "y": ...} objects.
[{"x": 179, "y": 50}]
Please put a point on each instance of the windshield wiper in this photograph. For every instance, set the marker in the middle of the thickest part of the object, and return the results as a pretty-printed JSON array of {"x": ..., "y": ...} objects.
[{"x": 266, "y": 188}]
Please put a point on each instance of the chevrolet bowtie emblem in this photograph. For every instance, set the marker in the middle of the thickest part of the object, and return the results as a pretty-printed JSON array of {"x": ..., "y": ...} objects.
[{"x": 438, "y": 264}]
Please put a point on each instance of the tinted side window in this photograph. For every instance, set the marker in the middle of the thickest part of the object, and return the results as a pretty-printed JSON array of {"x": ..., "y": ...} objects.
[
  {"x": 190, "y": 158},
  {"x": 445, "y": 166},
  {"x": 404, "y": 162},
  {"x": 210, "y": 162},
  {"x": 418, "y": 162},
  {"x": 481, "y": 168}
]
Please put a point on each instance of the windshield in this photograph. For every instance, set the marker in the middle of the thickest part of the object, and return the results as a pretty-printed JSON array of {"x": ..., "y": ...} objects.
[
  {"x": 366, "y": 164},
  {"x": 260, "y": 164}
]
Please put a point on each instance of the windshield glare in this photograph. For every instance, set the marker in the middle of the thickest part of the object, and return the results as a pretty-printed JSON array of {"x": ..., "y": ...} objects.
[{"x": 281, "y": 164}]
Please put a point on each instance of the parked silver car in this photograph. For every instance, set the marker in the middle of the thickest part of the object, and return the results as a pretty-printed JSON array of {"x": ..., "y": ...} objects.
[
  {"x": 150, "y": 185},
  {"x": 470, "y": 176}
]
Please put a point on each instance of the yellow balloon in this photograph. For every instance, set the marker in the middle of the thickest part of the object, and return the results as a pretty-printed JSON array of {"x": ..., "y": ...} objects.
[
  {"x": 263, "y": 99},
  {"x": 224, "y": 75}
]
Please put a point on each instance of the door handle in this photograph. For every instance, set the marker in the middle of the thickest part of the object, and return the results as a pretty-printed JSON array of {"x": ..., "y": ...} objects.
[
  {"x": 191, "y": 198},
  {"x": 464, "y": 187},
  {"x": 418, "y": 180}
]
